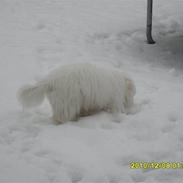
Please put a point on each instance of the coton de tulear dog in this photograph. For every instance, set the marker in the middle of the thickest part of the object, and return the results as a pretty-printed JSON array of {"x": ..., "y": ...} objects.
[{"x": 79, "y": 90}]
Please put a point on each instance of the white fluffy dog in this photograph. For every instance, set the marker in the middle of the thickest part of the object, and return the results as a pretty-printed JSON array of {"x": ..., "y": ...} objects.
[{"x": 79, "y": 90}]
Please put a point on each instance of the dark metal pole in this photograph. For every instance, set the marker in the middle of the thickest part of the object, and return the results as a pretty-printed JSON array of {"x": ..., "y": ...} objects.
[{"x": 149, "y": 22}]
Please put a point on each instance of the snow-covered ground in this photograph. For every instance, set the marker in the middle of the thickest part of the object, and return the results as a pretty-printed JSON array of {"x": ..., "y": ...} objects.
[{"x": 37, "y": 36}]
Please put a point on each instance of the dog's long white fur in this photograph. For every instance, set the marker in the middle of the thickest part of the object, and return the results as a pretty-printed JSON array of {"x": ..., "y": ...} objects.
[{"x": 81, "y": 89}]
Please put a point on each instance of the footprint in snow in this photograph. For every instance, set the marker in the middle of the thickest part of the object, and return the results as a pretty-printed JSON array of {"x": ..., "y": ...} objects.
[
  {"x": 172, "y": 116},
  {"x": 40, "y": 26},
  {"x": 168, "y": 128},
  {"x": 139, "y": 177}
]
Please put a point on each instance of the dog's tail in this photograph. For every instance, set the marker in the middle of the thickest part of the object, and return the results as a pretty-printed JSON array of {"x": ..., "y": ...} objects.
[{"x": 32, "y": 95}]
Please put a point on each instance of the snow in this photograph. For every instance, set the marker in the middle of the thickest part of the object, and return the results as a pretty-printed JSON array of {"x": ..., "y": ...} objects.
[{"x": 37, "y": 36}]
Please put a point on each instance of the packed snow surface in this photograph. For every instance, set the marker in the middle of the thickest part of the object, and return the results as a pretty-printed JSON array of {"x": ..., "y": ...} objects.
[{"x": 37, "y": 36}]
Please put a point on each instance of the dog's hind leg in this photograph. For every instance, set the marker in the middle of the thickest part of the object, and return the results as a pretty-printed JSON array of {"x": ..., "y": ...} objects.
[
  {"x": 57, "y": 117},
  {"x": 116, "y": 111}
]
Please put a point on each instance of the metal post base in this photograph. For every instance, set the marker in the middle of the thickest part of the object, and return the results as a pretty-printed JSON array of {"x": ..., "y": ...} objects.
[
  {"x": 149, "y": 22},
  {"x": 149, "y": 36}
]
